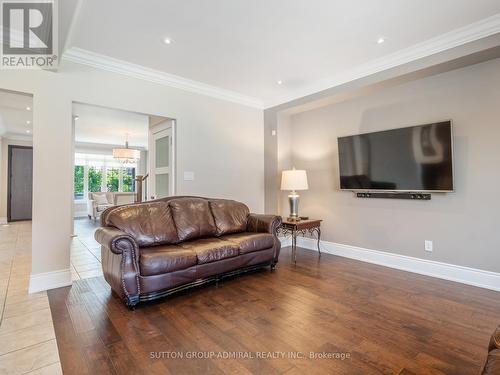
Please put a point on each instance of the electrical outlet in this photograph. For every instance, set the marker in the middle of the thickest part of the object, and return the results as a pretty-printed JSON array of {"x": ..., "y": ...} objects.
[{"x": 428, "y": 245}]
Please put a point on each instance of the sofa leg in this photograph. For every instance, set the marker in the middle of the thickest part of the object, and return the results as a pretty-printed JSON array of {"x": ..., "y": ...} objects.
[
  {"x": 218, "y": 282},
  {"x": 273, "y": 266},
  {"x": 131, "y": 302}
]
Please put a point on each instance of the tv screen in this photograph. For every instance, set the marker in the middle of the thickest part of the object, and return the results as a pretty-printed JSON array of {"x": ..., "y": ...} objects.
[{"x": 417, "y": 158}]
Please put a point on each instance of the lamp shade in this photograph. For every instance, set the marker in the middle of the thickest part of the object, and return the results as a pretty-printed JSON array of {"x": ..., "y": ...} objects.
[
  {"x": 294, "y": 179},
  {"x": 126, "y": 153}
]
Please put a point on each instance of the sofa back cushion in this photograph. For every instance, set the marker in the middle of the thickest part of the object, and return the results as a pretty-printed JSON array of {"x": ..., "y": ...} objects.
[
  {"x": 102, "y": 198},
  {"x": 192, "y": 218},
  {"x": 149, "y": 223},
  {"x": 230, "y": 216}
]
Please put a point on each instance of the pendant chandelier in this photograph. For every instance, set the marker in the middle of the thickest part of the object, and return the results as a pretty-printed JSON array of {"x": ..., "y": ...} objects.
[{"x": 126, "y": 155}]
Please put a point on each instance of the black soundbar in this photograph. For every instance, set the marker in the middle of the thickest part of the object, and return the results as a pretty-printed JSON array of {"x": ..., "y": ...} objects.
[{"x": 395, "y": 195}]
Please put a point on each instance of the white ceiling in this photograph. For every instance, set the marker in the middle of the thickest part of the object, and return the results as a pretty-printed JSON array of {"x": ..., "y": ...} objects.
[
  {"x": 247, "y": 46},
  {"x": 14, "y": 114},
  {"x": 101, "y": 125}
]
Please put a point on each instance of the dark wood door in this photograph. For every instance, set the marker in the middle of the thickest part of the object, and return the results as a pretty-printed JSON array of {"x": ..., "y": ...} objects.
[{"x": 20, "y": 184}]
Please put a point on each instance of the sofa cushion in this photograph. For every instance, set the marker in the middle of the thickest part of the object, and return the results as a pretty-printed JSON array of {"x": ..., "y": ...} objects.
[
  {"x": 149, "y": 223},
  {"x": 193, "y": 218},
  {"x": 249, "y": 242},
  {"x": 163, "y": 259},
  {"x": 101, "y": 199},
  {"x": 230, "y": 216},
  {"x": 211, "y": 249}
]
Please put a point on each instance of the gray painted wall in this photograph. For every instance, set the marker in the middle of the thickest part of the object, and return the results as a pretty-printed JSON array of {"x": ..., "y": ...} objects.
[
  {"x": 270, "y": 162},
  {"x": 455, "y": 58},
  {"x": 464, "y": 225}
]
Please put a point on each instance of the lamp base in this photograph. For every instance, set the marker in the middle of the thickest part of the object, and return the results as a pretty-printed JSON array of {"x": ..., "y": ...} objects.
[{"x": 293, "y": 200}]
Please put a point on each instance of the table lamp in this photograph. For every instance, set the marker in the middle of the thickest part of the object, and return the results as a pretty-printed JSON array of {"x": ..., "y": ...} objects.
[{"x": 292, "y": 180}]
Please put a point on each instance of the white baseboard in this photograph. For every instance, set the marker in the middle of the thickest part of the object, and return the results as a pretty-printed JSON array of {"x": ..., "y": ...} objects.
[
  {"x": 3, "y": 220},
  {"x": 452, "y": 272},
  {"x": 49, "y": 280},
  {"x": 285, "y": 241}
]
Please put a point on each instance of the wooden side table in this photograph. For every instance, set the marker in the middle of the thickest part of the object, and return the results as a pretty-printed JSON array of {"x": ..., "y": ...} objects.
[{"x": 302, "y": 227}]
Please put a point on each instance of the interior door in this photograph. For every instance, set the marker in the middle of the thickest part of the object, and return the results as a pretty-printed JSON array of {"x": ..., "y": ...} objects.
[
  {"x": 161, "y": 175},
  {"x": 20, "y": 183}
]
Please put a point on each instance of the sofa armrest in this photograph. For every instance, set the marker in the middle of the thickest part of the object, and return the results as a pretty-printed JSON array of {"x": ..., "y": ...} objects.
[
  {"x": 492, "y": 364},
  {"x": 91, "y": 206},
  {"x": 263, "y": 223},
  {"x": 115, "y": 240},
  {"x": 120, "y": 262},
  {"x": 495, "y": 340}
]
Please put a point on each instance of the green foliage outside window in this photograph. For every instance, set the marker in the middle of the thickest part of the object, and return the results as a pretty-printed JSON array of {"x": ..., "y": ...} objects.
[
  {"x": 128, "y": 179},
  {"x": 113, "y": 182},
  {"x": 95, "y": 179},
  {"x": 79, "y": 176}
]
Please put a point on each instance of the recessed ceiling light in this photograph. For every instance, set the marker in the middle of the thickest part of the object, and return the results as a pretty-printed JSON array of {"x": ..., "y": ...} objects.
[
  {"x": 167, "y": 40},
  {"x": 28, "y": 131},
  {"x": 280, "y": 82},
  {"x": 380, "y": 40},
  {"x": 28, "y": 108},
  {"x": 76, "y": 118},
  {"x": 28, "y": 122}
]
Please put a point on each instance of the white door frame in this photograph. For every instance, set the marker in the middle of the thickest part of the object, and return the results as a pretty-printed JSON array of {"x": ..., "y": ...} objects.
[{"x": 168, "y": 124}]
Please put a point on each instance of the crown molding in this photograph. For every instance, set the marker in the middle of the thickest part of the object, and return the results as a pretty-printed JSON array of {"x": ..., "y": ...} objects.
[
  {"x": 455, "y": 38},
  {"x": 17, "y": 137},
  {"x": 96, "y": 60},
  {"x": 473, "y": 32}
]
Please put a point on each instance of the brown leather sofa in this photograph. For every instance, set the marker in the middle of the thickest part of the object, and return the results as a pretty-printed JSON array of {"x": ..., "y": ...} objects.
[
  {"x": 153, "y": 249},
  {"x": 492, "y": 365}
]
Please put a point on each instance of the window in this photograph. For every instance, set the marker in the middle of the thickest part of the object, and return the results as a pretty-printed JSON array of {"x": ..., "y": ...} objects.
[
  {"x": 95, "y": 179},
  {"x": 79, "y": 179},
  {"x": 128, "y": 179},
  {"x": 113, "y": 177},
  {"x": 95, "y": 173}
]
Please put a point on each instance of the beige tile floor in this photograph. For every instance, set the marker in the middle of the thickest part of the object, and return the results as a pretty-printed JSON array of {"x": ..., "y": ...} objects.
[
  {"x": 27, "y": 339},
  {"x": 85, "y": 250}
]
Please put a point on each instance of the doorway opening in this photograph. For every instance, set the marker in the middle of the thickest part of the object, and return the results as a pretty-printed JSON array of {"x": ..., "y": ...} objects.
[
  {"x": 16, "y": 156},
  {"x": 120, "y": 157},
  {"x": 16, "y": 190}
]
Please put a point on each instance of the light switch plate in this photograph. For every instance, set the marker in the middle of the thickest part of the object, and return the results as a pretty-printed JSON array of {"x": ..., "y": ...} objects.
[{"x": 188, "y": 176}]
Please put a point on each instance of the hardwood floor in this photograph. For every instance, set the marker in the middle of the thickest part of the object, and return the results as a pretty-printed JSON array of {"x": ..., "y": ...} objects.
[{"x": 386, "y": 321}]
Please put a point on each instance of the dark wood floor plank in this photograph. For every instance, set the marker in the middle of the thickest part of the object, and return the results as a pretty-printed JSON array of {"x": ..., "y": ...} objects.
[{"x": 388, "y": 322}]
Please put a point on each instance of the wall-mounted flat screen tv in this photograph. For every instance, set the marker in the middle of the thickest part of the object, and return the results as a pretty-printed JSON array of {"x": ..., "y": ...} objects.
[{"x": 417, "y": 158}]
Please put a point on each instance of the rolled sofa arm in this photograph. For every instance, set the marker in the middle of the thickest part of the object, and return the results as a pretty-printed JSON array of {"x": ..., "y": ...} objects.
[
  {"x": 263, "y": 223},
  {"x": 266, "y": 224},
  {"x": 495, "y": 340},
  {"x": 492, "y": 365},
  {"x": 114, "y": 239},
  {"x": 120, "y": 262}
]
